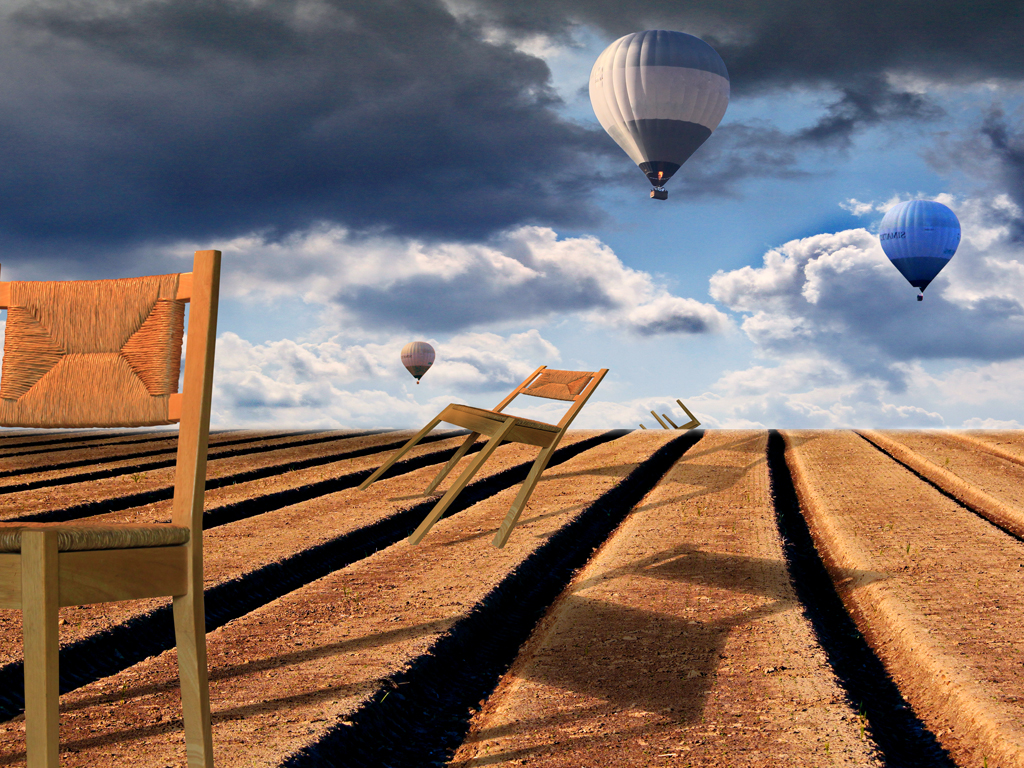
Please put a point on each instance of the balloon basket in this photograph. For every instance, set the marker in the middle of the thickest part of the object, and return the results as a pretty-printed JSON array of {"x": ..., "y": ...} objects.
[{"x": 659, "y": 194}]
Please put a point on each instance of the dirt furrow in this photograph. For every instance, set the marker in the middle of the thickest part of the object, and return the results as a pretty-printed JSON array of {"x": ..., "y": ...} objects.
[
  {"x": 37, "y": 467},
  {"x": 17, "y": 439},
  {"x": 160, "y": 463},
  {"x": 88, "y": 499},
  {"x": 985, "y": 483},
  {"x": 1008, "y": 443},
  {"x": 298, "y": 543},
  {"x": 299, "y": 523},
  {"x": 59, "y": 443},
  {"x": 680, "y": 643},
  {"x": 1002, "y": 444},
  {"x": 290, "y": 673},
  {"x": 899, "y": 735},
  {"x": 933, "y": 587}
]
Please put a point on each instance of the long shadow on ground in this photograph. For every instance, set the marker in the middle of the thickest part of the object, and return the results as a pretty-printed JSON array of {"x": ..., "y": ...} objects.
[
  {"x": 107, "y": 653},
  {"x": 902, "y": 739},
  {"x": 422, "y": 715}
]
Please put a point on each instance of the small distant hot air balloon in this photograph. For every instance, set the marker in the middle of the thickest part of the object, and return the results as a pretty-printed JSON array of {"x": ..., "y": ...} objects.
[
  {"x": 659, "y": 94},
  {"x": 417, "y": 357},
  {"x": 919, "y": 237}
]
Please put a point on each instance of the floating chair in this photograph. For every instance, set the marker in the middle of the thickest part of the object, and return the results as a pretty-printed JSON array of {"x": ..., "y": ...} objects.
[
  {"x": 574, "y": 386},
  {"x": 107, "y": 353},
  {"x": 688, "y": 425}
]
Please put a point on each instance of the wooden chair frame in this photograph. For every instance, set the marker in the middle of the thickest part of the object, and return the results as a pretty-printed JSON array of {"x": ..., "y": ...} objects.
[
  {"x": 40, "y": 579},
  {"x": 691, "y": 424},
  {"x": 510, "y": 429}
]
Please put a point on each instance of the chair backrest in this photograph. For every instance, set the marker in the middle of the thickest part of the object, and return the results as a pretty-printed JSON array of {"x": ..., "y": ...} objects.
[
  {"x": 107, "y": 353},
  {"x": 559, "y": 385},
  {"x": 575, "y": 386}
]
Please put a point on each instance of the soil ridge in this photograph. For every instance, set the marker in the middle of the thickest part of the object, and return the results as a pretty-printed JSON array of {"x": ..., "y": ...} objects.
[
  {"x": 973, "y": 498},
  {"x": 929, "y": 674}
]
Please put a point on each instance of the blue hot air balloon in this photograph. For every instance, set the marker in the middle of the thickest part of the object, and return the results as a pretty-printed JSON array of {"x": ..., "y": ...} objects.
[
  {"x": 919, "y": 237},
  {"x": 659, "y": 94}
]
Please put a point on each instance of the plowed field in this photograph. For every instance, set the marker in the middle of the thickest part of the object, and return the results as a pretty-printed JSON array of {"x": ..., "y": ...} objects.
[{"x": 725, "y": 598}]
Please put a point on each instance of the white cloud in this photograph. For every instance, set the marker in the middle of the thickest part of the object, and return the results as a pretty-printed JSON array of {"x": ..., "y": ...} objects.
[
  {"x": 844, "y": 342},
  {"x": 839, "y": 296},
  {"x": 528, "y": 275},
  {"x": 809, "y": 393},
  {"x": 991, "y": 424},
  {"x": 336, "y": 383}
]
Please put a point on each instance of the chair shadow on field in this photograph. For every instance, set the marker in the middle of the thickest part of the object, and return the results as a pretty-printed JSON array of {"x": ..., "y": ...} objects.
[
  {"x": 618, "y": 656},
  {"x": 623, "y": 658}
]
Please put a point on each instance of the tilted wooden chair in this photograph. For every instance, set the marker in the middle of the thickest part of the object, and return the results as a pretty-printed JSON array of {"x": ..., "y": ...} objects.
[
  {"x": 107, "y": 353},
  {"x": 575, "y": 386}
]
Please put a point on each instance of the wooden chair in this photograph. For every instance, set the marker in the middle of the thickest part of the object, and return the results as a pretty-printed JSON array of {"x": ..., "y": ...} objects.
[
  {"x": 575, "y": 386},
  {"x": 107, "y": 353}
]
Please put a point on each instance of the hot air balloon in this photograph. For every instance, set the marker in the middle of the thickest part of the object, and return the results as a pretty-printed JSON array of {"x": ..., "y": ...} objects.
[
  {"x": 659, "y": 95},
  {"x": 417, "y": 357},
  {"x": 919, "y": 237}
]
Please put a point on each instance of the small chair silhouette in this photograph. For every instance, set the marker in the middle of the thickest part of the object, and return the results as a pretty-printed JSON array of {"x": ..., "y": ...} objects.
[
  {"x": 575, "y": 386},
  {"x": 107, "y": 353}
]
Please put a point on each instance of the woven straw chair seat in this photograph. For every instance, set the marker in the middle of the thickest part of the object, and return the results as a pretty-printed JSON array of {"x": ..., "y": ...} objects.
[
  {"x": 500, "y": 417},
  {"x": 71, "y": 537}
]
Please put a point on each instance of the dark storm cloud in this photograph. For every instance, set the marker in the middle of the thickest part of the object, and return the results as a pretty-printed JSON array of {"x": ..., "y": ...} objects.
[
  {"x": 868, "y": 101},
  {"x": 847, "y": 46},
  {"x": 989, "y": 160},
  {"x": 805, "y": 41},
  {"x": 739, "y": 151},
  {"x": 471, "y": 299},
  {"x": 1007, "y": 147},
  {"x": 148, "y": 121}
]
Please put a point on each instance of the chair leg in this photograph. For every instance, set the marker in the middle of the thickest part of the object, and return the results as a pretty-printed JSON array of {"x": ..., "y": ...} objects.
[
  {"x": 451, "y": 463},
  {"x": 501, "y": 537},
  {"x": 39, "y": 601},
  {"x": 190, "y": 637},
  {"x": 399, "y": 453},
  {"x": 458, "y": 485}
]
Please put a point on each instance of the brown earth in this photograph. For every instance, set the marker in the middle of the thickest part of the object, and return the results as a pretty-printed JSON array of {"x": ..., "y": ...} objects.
[
  {"x": 232, "y": 550},
  {"x": 285, "y": 672},
  {"x": 936, "y": 589},
  {"x": 680, "y": 643}
]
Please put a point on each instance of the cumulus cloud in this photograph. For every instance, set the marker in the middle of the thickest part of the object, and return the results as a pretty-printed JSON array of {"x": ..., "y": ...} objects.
[
  {"x": 341, "y": 382},
  {"x": 837, "y": 294},
  {"x": 809, "y": 392},
  {"x": 527, "y": 275},
  {"x": 845, "y": 344},
  {"x": 992, "y": 424}
]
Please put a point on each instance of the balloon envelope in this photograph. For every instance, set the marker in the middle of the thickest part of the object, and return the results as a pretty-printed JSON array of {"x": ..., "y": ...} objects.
[
  {"x": 659, "y": 95},
  {"x": 919, "y": 237},
  {"x": 417, "y": 357}
]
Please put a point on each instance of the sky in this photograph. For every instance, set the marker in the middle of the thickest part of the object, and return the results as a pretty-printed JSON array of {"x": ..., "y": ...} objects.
[{"x": 386, "y": 171}]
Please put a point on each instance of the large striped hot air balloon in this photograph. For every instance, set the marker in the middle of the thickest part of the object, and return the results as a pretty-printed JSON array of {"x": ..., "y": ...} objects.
[
  {"x": 919, "y": 237},
  {"x": 659, "y": 94},
  {"x": 417, "y": 357}
]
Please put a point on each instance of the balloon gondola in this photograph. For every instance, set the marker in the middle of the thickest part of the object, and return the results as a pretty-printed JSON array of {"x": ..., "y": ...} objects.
[
  {"x": 417, "y": 357},
  {"x": 919, "y": 237},
  {"x": 659, "y": 95}
]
